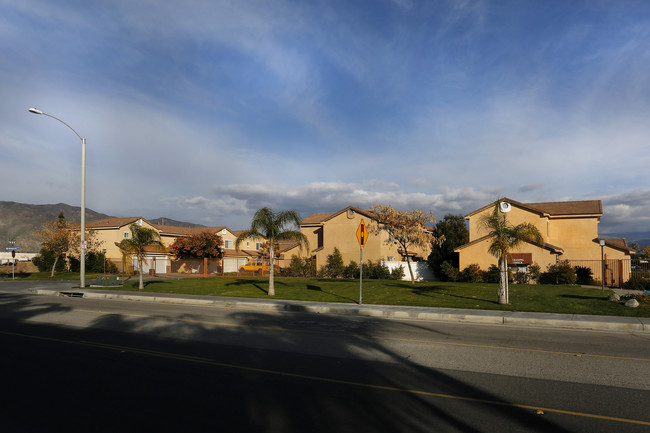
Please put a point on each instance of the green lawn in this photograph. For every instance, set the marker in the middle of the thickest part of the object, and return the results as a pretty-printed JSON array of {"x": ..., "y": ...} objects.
[
  {"x": 536, "y": 298},
  {"x": 539, "y": 298}
]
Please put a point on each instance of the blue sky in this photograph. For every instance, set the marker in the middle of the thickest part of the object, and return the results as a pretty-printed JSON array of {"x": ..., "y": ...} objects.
[{"x": 205, "y": 111}]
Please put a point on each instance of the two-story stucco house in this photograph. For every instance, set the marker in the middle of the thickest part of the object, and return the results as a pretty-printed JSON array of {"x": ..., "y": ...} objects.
[
  {"x": 326, "y": 231},
  {"x": 110, "y": 232},
  {"x": 569, "y": 230}
]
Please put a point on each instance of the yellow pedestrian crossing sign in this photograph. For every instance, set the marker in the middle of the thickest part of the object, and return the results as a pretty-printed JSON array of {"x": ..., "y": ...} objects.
[{"x": 362, "y": 234}]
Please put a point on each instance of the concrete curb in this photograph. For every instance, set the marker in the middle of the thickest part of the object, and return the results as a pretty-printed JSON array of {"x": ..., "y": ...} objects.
[{"x": 512, "y": 318}]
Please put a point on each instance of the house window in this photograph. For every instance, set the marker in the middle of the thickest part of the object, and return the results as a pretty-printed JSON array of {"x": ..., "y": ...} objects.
[
  {"x": 248, "y": 244},
  {"x": 258, "y": 246},
  {"x": 390, "y": 259},
  {"x": 126, "y": 235},
  {"x": 228, "y": 244}
]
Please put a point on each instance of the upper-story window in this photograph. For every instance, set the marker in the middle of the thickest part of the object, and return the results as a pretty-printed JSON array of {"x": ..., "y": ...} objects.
[
  {"x": 248, "y": 244},
  {"x": 126, "y": 235},
  {"x": 258, "y": 246},
  {"x": 227, "y": 244}
]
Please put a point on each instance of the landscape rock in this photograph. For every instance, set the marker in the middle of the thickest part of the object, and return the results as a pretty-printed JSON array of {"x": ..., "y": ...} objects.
[
  {"x": 632, "y": 303},
  {"x": 614, "y": 297}
]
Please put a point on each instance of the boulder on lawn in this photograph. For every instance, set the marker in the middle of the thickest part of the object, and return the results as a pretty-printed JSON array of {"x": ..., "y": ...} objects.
[
  {"x": 614, "y": 297},
  {"x": 632, "y": 303}
]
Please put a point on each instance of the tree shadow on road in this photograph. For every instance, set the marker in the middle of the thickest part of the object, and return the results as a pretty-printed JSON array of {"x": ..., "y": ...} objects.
[{"x": 257, "y": 371}]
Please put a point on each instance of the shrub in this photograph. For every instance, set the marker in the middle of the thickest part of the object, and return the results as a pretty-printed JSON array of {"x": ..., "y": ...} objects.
[
  {"x": 449, "y": 271},
  {"x": 535, "y": 271},
  {"x": 492, "y": 274},
  {"x": 299, "y": 267},
  {"x": 584, "y": 275},
  {"x": 397, "y": 273},
  {"x": 45, "y": 259},
  {"x": 636, "y": 283},
  {"x": 521, "y": 277},
  {"x": 335, "y": 266},
  {"x": 559, "y": 273},
  {"x": 375, "y": 271},
  {"x": 94, "y": 263},
  {"x": 351, "y": 270},
  {"x": 471, "y": 274}
]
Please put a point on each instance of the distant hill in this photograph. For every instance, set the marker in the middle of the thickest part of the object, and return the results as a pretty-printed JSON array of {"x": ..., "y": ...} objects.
[
  {"x": 171, "y": 222},
  {"x": 18, "y": 222}
]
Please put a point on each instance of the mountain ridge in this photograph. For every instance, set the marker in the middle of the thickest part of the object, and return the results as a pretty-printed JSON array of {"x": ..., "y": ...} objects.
[{"x": 18, "y": 221}]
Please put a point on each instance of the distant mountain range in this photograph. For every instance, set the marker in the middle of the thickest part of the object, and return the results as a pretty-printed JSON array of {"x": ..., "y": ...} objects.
[
  {"x": 18, "y": 222},
  {"x": 641, "y": 238}
]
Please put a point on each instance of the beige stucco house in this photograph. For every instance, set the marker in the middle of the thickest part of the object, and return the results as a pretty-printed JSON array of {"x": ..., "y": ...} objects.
[
  {"x": 110, "y": 232},
  {"x": 569, "y": 230},
  {"x": 326, "y": 231}
]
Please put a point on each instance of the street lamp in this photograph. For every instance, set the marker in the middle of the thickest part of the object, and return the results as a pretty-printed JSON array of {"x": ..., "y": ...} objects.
[
  {"x": 82, "y": 275},
  {"x": 602, "y": 263}
]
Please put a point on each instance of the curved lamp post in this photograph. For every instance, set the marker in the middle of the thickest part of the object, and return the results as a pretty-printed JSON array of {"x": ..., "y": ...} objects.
[{"x": 82, "y": 255}]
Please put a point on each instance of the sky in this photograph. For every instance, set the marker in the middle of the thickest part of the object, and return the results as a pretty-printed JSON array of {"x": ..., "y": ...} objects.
[{"x": 205, "y": 111}]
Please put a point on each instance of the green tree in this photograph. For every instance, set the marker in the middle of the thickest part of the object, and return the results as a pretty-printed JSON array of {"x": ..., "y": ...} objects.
[
  {"x": 335, "y": 266},
  {"x": 45, "y": 260},
  {"x": 270, "y": 226},
  {"x": 451, "y": 233},
  {"x": 141, "y": 240},
  {"x": 505, "y": 237}
]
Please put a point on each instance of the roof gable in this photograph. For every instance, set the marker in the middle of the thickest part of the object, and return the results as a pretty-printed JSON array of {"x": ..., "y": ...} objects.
[
  {"x": 114, "y": 223},
  {"x": 552, "y": 209},
  {"x": 320, "y": 218}
]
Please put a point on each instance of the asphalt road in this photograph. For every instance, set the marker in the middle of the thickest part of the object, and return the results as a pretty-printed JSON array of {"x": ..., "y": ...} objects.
[{"x": 80, "y": 364}]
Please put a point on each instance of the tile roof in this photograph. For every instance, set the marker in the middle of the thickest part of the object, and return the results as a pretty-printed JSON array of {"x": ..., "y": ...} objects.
[
  {"x": 112, "y": 222},
  {"x": 319, "y": 218},
  {"x": 616, "y": 243},
  {"x": 585, "y": 207},
  {"x": 186, "y": 231},
  {"x": 555, "y": 208}
]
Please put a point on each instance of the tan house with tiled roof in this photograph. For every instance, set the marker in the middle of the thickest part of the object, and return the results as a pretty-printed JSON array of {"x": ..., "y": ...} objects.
[
  {"x": 110, "y": 232},
  {"x": 326, "y": 231},
  {"x": 569, "y": 230}
]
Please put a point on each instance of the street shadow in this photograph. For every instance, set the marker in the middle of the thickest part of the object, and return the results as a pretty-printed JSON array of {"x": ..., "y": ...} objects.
[
  {"x": 430, "y": 291},
  {"x": 590, "y": 298},
  {"x": 335, "y": 295},
  {"x": 148, "y": 283},
  {"x": 255, "y": 282},
  {"x": 181, "y": 369}
]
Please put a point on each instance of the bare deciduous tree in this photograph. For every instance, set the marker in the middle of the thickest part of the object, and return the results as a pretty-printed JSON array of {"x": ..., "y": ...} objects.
[{"x": 407, "y": 228}]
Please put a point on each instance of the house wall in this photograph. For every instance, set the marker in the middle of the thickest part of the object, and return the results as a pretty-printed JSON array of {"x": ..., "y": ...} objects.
[
  {"x": 109, "y": 237},
  {"x": 515, "y": 216},
  {"x": 478, "y": 254},
  {"x": 340, "y": 232},
  {"x": 575, "y": 234}
]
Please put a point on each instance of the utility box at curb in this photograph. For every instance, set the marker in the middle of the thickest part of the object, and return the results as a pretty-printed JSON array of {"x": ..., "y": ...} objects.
[{"x": 108, "y": 280}]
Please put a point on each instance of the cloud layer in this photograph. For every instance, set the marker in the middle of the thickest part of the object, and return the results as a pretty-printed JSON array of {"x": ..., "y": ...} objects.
[{"x": 211, "y": 110}]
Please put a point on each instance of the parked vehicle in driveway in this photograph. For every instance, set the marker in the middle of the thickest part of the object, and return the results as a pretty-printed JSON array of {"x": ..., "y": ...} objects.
[{"x": 255, "y": 266}]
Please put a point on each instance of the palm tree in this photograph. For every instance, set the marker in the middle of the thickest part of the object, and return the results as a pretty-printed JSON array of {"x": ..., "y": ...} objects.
[
  {"x": 506, "y": 237},
  {"x": 269, "y": 225},
  {"x": 142, "y": 238}
]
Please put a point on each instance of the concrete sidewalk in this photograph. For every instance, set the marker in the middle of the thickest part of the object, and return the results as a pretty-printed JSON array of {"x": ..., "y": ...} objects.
[{"x": 570, "y": 321}]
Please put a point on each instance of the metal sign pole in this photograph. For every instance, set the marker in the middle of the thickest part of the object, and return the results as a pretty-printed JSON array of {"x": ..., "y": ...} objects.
[{"x": 360, "y": 276}]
